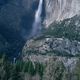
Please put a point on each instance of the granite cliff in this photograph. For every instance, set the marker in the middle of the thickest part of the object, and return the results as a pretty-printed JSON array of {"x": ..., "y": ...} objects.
[
  {"x": 58, "y": 49},
  {"x": 52, "y": 55},
  {"x": 57, "y": 10}
]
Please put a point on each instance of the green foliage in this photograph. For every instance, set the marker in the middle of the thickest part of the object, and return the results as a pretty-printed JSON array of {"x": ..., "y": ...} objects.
[
  {"x": 29, "y": 68},
  {"x": 5, "y": 68},
  {"x": 19, "y": 65},
  {"x": 34, "y": 68},
  {"x": 16, "y": 71},
  {"x": 54, "y": 70},
  {"x": 77, "y": 69},
  {"x": 39, "y": 68},
  {"x": 64, "y": 29},
  {"x": 15, "y": 75}
]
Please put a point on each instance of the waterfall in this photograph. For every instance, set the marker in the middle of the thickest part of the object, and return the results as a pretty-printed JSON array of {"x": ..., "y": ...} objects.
[{"x": 37, "y": 22}]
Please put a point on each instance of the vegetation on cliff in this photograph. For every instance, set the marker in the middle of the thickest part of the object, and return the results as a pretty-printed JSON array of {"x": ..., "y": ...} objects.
[
  {"x": 68, "y": 28},
  {"x": 17, "y": 70}
]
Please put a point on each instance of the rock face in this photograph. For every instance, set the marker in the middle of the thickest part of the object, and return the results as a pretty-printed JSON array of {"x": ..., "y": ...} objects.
[
  {"x": 58, "y": 48},
  {"x": 59, "y": 63},
  {"x": 62, "y": 68},
  {"x": 61, "y": 38},
  {"x": 54, "y": 46},
  {"x": 60, "y": 9},
  {"x": 56, "y": 69}
]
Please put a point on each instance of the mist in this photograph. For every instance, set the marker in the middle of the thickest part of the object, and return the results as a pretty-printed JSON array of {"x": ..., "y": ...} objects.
[{"x": 37, "y": 21}]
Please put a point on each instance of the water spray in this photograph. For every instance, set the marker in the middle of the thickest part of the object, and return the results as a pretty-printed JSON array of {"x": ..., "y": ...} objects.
[{"x": 37, "y": 22}]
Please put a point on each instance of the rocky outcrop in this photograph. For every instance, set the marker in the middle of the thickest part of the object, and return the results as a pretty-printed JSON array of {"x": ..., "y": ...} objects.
[
  {"x": 57, "y": 10},
  {"x": 58, "y": 49},
  {"x": 57, "y": 70},
  {"x": 56, "y": 67},
  {"x": 54, "y": 46}
]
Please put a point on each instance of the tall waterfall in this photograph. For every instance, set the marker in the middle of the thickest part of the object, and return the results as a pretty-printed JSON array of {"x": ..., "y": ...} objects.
[{"x": 37, "y": 22}]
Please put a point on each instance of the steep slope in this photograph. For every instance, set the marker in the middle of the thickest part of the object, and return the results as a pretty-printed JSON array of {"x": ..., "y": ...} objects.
[
  {"x": 60, "y": 9},
  {"x": 61, "y": 38},
  {"x": 53, "y": 68},
  {"x": 58, "y": 49}
]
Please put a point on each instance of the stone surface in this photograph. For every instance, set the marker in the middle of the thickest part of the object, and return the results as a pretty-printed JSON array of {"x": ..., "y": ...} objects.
[
  {"x": 57, "y": 46},
  {"x": 60, "y": 9}
]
